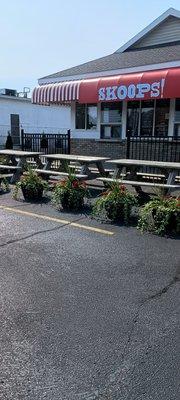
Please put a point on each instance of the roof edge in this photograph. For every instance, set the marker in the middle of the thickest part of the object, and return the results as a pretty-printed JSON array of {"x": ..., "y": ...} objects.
[
  {"x": 170, "y": 12},
  {"x": 94, "y": 75}
]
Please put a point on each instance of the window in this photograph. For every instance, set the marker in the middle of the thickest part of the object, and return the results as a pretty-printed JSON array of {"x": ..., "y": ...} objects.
[
  {"x": 91, "y": 117},
  {"x": 86, "y": 116},
  {"x": 111, "y": 120},
  {"x": 177, "y": 118},
  {"x": 161, "y": 117},
  {"x": 147, "y": 115},
  {"x": 148, "y": 118},
  {"x": 80, "y": 116},
  {"x": 133, "y": 113}
]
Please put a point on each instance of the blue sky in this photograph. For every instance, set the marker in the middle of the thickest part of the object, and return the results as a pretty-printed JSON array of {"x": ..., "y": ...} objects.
[{"x": 40, "y": 37}]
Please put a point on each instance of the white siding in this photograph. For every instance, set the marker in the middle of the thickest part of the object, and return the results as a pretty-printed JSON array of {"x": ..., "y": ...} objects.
[
  {"x": 167, "y": 32},
  {"x": 33, "y": 118}
]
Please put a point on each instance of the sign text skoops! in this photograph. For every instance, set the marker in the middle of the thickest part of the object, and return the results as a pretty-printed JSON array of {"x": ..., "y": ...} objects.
[{"x": 132, "y": 91}]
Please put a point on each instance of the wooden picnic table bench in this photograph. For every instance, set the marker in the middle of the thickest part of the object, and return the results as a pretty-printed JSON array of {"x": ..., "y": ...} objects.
[
  {"x": 9, "y": 167},
  {"x": 131, "y": 168},
  {"x": 55, "y": 173},
  {"x": 139, "y": 184},
  {"x": 84, "y": 163},
  {"x": 16, "y": 160}
]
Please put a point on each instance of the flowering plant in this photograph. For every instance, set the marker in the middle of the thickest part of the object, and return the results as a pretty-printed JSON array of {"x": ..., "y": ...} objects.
[
  {"x": 161, "y": 215},
  {"x": 116, "y": 203},
  {"x": 31, "y": 184},
  {"x": 70, "y": 193}
]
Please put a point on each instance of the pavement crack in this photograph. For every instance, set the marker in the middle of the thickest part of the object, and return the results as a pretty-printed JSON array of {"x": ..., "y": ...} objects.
[
  {"x": 135, "y": 320},
  {"x": 39, "y": 232},
  {"x": 164, "y": 289}
]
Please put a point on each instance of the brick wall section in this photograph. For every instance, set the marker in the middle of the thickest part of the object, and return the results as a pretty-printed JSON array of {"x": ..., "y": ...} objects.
[
  {"x": 114, "y": 149},
  {"x": 101, "y": 148}
]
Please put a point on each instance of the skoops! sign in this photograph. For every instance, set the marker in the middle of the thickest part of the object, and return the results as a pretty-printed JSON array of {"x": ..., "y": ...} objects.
[{"x": 132, "y": 91}]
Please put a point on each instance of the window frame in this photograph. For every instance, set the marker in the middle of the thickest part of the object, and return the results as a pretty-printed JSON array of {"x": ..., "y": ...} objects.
[
  {"x": 155, "y": 106},
  {"x": 86, "y": 116},
  {"x": 111, "y": 124}
]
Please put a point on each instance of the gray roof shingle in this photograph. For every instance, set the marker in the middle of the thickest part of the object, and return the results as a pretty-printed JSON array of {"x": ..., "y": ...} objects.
[{"x": 127, "y": 59}]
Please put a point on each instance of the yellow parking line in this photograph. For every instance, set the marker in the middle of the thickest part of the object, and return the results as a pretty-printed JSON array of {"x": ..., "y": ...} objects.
[{"x": 58, "y": 220}]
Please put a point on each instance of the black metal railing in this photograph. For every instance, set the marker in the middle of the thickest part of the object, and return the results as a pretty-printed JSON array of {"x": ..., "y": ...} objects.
[
  {"x": 153, "y": 148},
  {"x": 46, "y": 143}
]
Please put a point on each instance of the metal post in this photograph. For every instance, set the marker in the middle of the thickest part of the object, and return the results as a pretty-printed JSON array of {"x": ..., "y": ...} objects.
[
  {"x": 22, "y": 139},
  {"x": 128, "y": 145},
  {"x": 69, "y": 140}
]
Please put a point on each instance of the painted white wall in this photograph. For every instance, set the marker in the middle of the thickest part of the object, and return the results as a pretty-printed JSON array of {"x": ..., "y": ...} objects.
[{"x": 33, "y": 118}]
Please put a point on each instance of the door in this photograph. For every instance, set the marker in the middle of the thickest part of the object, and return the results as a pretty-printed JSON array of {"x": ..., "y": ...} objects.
[{"x": 15, "y": 129}]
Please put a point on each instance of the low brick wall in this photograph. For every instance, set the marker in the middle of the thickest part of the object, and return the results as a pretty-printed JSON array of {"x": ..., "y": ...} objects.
[
  {"x": 101, "y": 148},
  {"x": 117, "y": 149}
]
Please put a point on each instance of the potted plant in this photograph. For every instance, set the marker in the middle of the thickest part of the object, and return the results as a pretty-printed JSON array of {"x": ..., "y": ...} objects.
[
  {"x": 115, "y": 204},
  {"x": 32, "y": 186},
  {"x": 70, "y": 193},
  {"x": 161, "y": 215}
]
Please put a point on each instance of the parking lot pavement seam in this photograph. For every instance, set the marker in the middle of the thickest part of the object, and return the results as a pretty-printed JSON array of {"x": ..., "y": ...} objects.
[
  {"x": 58, "y": 220},
  {"x": 34, "y": 234}
]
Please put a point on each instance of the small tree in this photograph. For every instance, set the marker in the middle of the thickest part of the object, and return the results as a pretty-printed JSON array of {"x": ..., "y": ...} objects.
[{"x": 9, "y": 142}]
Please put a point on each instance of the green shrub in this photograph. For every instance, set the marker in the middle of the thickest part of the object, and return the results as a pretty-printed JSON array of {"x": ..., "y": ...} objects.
[
  {"x": 31, "y": 184},
  {"x": 70, "y": 193},
  {"x": 9, "y": 142},
  {"x": 115, "y": 204},
  {"x": 161, "y": 216}
]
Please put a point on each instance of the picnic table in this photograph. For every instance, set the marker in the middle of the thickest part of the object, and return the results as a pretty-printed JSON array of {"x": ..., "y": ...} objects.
[
  {"x": 16, "y": 161},
  {"x": 129, "y": 171},
  {"x": 82, "y": 163}
]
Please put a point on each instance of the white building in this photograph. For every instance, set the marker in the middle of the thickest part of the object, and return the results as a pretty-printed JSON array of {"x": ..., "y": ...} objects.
[
  {"x": 18, "y": 113},
  {"x": 135, "y": 90}
]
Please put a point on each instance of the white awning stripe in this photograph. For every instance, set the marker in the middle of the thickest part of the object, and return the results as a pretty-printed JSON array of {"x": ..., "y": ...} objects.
[{"x": 56, "y": 93}]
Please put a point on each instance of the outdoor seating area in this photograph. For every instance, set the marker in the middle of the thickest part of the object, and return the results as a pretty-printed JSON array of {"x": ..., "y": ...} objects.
[
  {"x": 69, "y": 178},
  {"x": 128, "y": 171}
]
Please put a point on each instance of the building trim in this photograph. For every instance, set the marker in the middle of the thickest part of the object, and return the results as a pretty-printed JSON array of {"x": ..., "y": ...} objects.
[{"x": 170, "y": 12}]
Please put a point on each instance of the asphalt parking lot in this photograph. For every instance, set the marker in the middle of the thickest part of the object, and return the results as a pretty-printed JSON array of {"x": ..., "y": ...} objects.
[{"x": 88, "y": 310}]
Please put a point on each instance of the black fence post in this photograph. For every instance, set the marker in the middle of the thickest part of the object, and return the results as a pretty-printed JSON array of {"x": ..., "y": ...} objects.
[
  {"x": 69, "y": 140},
  {"x": 22, "y": 139},
  {"x": 128, "y": 144}
]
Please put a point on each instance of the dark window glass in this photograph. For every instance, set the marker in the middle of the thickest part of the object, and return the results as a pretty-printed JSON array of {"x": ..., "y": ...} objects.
[
  {"x": 177, "y": 104},
  {"x": 111, "y": 113},
  {"x": 133, "y": 111},
  {"x": 91, "y": 116},
  {"x": 147, "y": 113},
  {"x": 80, "y": 116},
  {"x": 161, "y": 118},
  {"x": 111, "y": 131},
  {"x": 177, "y": 119}
]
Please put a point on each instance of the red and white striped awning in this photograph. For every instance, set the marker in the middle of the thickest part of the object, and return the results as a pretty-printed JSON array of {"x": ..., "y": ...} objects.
[
  {"x": 158, "y": 84},
  {"x": 56, "y": 93}
]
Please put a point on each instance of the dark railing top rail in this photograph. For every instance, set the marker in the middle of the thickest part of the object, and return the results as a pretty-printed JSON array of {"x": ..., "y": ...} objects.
[{"x": 47, "y": 143}]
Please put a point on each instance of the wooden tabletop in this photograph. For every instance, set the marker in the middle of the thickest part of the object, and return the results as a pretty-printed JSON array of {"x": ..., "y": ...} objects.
[
  {"x": 146, "y": 163},
  {"x": 19, "y": 153},
  {"x": 71, "y": 157}
]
